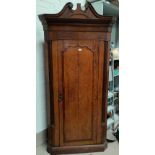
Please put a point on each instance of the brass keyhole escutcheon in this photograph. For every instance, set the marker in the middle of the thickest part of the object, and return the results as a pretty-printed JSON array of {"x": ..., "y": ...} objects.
[{"x": 60, "y": 98}]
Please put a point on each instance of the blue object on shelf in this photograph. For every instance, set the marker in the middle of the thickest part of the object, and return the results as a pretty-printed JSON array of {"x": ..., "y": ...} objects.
[{"x": 116, "y": 72}]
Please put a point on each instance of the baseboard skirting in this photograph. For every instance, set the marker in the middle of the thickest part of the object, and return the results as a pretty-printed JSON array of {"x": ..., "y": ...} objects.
[{"x": 41, "y": 137}]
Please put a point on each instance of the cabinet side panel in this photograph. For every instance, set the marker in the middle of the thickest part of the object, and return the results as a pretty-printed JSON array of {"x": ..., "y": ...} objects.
[
  {"x": 100, "y": 108},
  {"x": 105, "y": 88},
  {"x": 54, "y": 93},
  {"x": 49, "y": 92}
]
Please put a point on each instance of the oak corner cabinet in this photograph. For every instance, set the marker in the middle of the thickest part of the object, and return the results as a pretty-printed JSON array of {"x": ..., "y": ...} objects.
[{"x": 77, "y": 43}]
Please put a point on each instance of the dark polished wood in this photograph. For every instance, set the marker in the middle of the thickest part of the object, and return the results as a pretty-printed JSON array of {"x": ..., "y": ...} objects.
[{"x": 77, "y": 43}]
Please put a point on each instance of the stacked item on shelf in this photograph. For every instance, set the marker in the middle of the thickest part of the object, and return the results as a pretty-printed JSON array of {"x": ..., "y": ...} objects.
[{"x": 113, "y": 92}]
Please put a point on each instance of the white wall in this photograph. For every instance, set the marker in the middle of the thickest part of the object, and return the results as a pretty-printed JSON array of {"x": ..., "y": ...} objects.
[{"x": 47, "y": 6}]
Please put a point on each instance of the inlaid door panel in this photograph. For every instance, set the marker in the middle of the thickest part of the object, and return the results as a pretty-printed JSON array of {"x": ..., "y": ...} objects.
[{"x": 78, "y": 91}]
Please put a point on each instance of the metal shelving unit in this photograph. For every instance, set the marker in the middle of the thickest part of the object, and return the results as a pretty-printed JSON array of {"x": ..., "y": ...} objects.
[{"x": 113, "y": 96}]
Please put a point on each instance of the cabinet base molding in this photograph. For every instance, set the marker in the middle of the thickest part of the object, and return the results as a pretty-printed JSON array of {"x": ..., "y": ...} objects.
[{"x": 77, "y": 149}]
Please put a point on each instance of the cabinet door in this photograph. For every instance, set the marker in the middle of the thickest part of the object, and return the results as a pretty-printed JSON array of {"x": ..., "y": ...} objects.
[{"x": 80, "y": 109}]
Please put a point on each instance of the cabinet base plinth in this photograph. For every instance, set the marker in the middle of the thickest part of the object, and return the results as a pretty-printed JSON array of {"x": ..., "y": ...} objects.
[{"x": 77, "y": 149}]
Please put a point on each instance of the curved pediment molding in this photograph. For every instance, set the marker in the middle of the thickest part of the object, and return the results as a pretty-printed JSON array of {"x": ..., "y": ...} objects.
[
  {"x": 76, "y": 17},
  {"x": 68, "y": 12}
]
